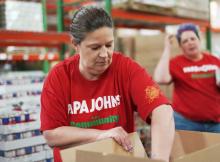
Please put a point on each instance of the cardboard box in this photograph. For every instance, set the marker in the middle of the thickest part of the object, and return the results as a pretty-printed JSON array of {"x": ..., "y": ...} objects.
[
  {"x": 107, "y": 146},
  {"x": 192, "y": 146},
  {"x": 99, "y": 157},
  {"x": 188, "y": 147},
  {"x": 188, "y": 8}
]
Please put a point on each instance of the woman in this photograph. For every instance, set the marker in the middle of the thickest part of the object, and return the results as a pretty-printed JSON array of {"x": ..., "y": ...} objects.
[
  {"x": 92, "y": 95},
  {"x": 196, "y": 96}
]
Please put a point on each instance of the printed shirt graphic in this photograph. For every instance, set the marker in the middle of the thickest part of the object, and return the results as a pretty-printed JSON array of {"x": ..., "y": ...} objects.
[
  {"x": 68, "y": 99},
  {"x": 196, "y": 94},
  {"x": 152, "y": 93}
]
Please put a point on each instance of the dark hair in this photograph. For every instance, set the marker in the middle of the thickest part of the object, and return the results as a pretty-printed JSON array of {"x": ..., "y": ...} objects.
[
  {"x": 186, "y": 27},
  {"x": 88, "y": 19}
]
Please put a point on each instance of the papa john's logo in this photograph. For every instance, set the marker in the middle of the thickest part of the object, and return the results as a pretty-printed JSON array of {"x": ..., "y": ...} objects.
[{"x": 152, "y": 93}]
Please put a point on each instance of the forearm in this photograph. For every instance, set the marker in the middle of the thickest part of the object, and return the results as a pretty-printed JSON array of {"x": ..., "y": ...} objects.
[
  {"x": 162, "y": 73},
  {"x": 66, "y": 135},
  {"x": 162, "y": 132}
]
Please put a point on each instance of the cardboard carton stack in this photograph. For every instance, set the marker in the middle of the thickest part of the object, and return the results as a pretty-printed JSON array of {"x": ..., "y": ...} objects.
[
  {"x": 21, "y": 15},
  {"x": 152, "y": 6},
  {"x": 189, "y": 8},
  {"x": 196, "y": 9}
]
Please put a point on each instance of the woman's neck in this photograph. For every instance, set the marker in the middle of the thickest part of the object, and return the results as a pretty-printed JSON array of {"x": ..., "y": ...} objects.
[
  {"x": 195, "y": 58},
  {"x": 88, "y": 75}
]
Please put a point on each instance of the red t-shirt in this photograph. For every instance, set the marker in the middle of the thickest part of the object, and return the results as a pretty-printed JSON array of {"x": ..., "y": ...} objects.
[
  {"x": 68, "y": 99},
  {"x": 196, "y": 95}
]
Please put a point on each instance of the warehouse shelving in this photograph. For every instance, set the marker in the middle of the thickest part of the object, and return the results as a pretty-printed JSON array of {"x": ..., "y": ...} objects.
[
  {"x": 21, "y": 38},
  {"x": 162, "y": 19},
  {"x": 140, "y": 16},
  {"x": 21, "y": 127},
  {"x": 29, "y": 57},
  {"x": 31, "y": 157},
  {"x": 10, "y": 145},
  {"x": 20, "y": 137},
  {"x": 57, "y": 39},
  {"x": 37, "y": 39},
  {"x": 124, "y": 18},
  {"x": 216, "y": 30}
]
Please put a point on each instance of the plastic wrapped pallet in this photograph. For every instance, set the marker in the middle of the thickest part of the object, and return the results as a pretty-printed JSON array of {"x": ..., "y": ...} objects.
[
  {"x": 20, "y": 15},
  {"x": 158, "y": 6},
  {"x": 190, "y": 8}
]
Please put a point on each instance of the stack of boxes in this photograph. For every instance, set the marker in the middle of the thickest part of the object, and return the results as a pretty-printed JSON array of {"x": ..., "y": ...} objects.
[
  {"x": 189, "y": 8},
  {"x": 196, "y": 9},
  {"x": 22, "y": 16}
]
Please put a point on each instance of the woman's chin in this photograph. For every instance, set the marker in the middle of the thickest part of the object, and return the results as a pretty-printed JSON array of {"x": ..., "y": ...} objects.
[{"x": 101, "y": 69}]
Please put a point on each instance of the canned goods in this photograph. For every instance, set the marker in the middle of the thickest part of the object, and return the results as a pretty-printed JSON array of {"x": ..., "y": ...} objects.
[
  {"x": 2, "y": 153},
  {"x": 27, "y": 117},
  {"x": 8, "y": 82},
  {"x": 27, "y": 134},
  {"x": 10, "y": 154},
  {"x": 5, "y": 120},
  {"x": 22, "y": 116},
  {"x": 9, "y": 137},
  {"x": 14, "y": 95},
  {"x": 49, "y": 160},
  {"x": 17, "y": 119},
  {"x": 39, "y": 148},
  {"x": 20, "y": 152},
  {"x": 28, "y": 150},
  {"x": 17, "y": 136},
  {"x": 37, "y": 132},
  {"x": 46, "y": 147}
]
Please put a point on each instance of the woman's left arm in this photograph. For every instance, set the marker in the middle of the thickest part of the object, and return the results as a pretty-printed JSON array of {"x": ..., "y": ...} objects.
[{"x": 162, "y": 132}]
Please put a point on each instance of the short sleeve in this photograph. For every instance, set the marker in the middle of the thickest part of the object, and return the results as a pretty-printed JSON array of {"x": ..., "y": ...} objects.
[
  {"x": 54, "y": 102},
  {"x": 145, "y": 93}
]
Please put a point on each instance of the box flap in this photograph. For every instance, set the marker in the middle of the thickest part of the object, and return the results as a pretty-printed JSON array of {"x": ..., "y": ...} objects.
[
  {"x": 187, "y": 142},
  {"x": 209, "y": 154},
  {"x": 106, "y": 146},
  {"x": 85, "y": 156}
]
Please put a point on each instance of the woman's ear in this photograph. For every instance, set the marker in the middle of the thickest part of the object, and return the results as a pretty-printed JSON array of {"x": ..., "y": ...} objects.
[{"x": 74, "y": 44}]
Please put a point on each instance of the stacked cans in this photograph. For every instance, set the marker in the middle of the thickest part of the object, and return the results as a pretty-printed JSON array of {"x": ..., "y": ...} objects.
[
  {"x": 15, "y": 117},
  {"x": 23, "y": 151},
  {"x": 20, "y": 136}
]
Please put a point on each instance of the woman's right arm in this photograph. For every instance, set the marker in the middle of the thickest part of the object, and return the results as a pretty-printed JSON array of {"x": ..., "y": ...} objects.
[
  {"x": 162, "y": 73},
  {"x": 66, "y": 135}
]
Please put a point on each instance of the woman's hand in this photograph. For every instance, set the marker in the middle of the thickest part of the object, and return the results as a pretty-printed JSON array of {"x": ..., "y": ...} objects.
[
  {"x": 168, "y": 41},
  {"x": 119, "y": 135}
]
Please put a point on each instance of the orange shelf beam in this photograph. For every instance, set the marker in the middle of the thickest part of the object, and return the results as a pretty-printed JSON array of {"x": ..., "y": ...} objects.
[
  {"x": 141, "y": 16},
  {"x": 28, "y": 44},
  {"x": 33, "y": 38},
  {"x": 215, "y": 30},
  {"x": 29, "y": 57}
]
